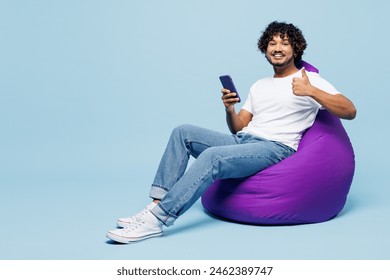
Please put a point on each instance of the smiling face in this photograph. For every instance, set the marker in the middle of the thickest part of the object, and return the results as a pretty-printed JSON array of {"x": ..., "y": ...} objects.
[{"x": 280, "y": 52}]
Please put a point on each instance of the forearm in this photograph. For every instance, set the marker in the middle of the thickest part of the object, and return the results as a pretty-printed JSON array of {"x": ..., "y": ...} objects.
[
  {"x": 236, "y": 122},
  {"x": 337, "y": 104},
  {"x": 233, "y": 121}
]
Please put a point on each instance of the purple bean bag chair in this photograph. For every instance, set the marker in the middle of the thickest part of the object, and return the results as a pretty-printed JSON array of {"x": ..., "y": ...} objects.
[{"x": 310, "y": 186}]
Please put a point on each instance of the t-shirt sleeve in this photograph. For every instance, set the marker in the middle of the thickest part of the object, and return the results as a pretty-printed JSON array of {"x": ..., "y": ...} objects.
[
  {"x": 248, "y": 103},
  {"x": 324, "y": 85}
]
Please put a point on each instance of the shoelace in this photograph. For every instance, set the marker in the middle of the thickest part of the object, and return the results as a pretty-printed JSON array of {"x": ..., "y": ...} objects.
[
  {"x": 137, "y": 216},
  {"x": 138, "y": 223}
]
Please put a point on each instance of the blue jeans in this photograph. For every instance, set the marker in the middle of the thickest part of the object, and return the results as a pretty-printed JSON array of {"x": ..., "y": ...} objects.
[{"x": 218, "y": 156}]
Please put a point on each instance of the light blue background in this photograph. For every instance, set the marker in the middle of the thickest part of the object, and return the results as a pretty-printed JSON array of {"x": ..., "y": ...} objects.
[{"x": 90, "y": 90}]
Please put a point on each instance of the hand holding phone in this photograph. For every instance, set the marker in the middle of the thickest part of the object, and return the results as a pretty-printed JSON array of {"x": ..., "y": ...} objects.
[{"x": 227, "y": 83}]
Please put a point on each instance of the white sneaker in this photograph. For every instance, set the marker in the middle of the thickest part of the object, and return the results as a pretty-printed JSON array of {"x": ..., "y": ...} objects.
[
  {"x": 143, "y": 227},
  {"x": 127, "y": 222}
]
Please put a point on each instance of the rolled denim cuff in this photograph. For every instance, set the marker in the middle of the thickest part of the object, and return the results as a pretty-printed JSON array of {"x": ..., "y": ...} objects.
[
  {"x": 163, "y": 215},
  {"x": 157, "y": 192}
]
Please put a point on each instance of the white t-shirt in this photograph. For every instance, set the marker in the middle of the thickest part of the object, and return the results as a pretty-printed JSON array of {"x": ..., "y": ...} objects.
[{"x": 278, "y": 114}]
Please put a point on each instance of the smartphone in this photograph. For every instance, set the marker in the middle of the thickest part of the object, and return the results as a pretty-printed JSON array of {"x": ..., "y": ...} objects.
[{"x": 227, "y": 82}]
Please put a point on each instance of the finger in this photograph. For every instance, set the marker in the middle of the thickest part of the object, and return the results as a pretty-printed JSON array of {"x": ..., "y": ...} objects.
[
  {"x": 231, "y": 101},
  {"x": 224, "y": 90},
  {"x": 304, "y": 74},
  {"x": 229, "y": 95}
]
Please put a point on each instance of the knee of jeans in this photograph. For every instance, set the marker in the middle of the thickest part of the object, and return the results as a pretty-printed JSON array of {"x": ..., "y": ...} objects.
[
  {"x": 182, "y": 129},
  {"x": 212, "y": 158},
  {"x": 210, "y": 154}
]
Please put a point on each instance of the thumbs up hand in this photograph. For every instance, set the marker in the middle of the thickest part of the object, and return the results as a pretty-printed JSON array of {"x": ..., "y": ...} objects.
[{"x": 301, "y": 86}]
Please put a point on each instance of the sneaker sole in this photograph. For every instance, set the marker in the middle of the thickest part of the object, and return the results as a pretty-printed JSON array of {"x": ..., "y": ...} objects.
[{"x": 124, "y": 240}]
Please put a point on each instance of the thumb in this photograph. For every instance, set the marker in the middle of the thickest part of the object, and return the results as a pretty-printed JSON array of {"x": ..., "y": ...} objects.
[{"x": 304, "y": 75}]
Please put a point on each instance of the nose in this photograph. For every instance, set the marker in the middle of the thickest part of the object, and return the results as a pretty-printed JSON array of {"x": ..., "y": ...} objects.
[{"x": 278, "y": 47}]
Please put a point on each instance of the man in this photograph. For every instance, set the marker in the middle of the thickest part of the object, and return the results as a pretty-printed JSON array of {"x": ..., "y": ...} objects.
[{"x": 266, "y": 130}]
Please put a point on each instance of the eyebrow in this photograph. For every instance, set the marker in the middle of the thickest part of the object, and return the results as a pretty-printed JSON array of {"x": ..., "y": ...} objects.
[{"x": 283, "y": 40}]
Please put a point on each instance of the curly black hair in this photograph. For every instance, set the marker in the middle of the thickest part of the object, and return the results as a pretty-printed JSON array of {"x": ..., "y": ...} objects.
[{"x": 293, "y": 33}]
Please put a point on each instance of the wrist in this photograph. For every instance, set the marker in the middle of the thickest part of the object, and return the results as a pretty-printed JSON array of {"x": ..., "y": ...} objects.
[
  {"x": 312, "y": 91},
  {"x": 229, "y": 109}
]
